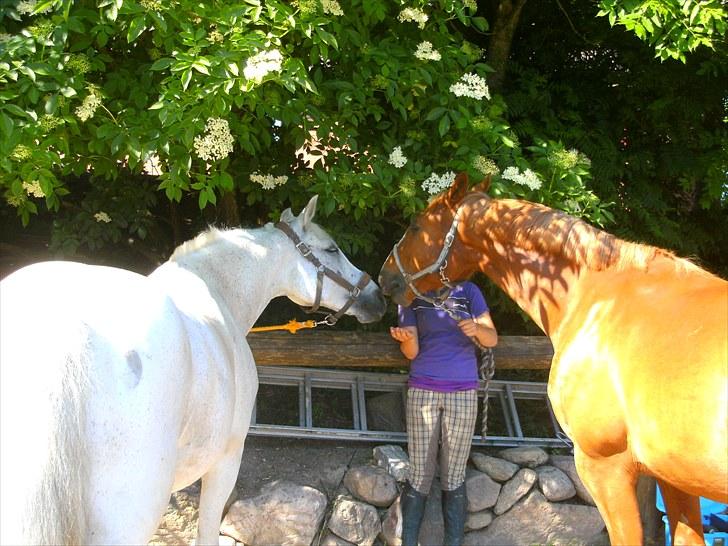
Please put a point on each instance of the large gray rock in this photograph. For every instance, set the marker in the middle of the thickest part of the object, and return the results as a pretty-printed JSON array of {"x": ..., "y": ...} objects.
[
  {"x": 372, "y": 484},
  {"x": 554, "y": 483},
  {"x": 514, "y": 490},
  {"x": 392, "y": 525},
  {"x": 498, "y": 469},
  {"x": 393, "y": 459},
  {"x": 525, "y": 456},
  {"x": 478, "y": 520},
  {"x": 283, "y": 513},
  {"x": 387, "y": 412},
  {"x": 534, "y": 520},
  {"x": 354, "y": 521},
  {"x": 330, "y": 539},
  {"x": 482, "y": 492},
  {"x": 567, "y": 465}
]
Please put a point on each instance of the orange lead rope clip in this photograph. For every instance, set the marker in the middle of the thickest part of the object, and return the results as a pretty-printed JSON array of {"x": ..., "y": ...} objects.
[{"x": 293, "y": 326}]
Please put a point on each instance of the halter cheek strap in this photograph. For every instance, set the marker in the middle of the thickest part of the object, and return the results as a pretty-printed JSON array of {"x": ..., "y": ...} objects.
[{"x": 323, "y": 271}]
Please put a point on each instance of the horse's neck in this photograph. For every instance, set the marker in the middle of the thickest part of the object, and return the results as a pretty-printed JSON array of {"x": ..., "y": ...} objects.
[
  {"x": 238, "y": 278},
  {"x": 538, "y": 283}
]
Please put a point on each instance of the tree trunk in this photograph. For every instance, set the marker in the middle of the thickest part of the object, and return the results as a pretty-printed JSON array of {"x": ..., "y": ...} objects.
[
  {"x": 227, "y": 209},
  {"x": 508, "y": 13}
]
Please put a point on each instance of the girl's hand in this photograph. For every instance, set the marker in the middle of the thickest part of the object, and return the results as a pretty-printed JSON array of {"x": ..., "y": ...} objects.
[
  {"x": 400, "y": 334},
  {"x": 468, "y": 327}
]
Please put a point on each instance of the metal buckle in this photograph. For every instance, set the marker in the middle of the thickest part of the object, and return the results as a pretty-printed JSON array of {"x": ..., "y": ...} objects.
[
  {"x": 355, "y": 292},
  {"x": 303, "y": 248}
]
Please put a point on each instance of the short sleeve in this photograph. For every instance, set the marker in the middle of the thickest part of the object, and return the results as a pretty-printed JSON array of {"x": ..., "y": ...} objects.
[
  {"x": 406, "y": 316},
  {"x": 478, "y": 305}
]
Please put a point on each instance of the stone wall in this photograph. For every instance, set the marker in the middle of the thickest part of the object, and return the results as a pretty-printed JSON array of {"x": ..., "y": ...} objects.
[{"x": 515, "y": 496}]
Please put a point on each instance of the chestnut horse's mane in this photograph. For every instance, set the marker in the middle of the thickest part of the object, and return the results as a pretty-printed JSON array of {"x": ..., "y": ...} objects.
[{"x": 549, "y": 231}]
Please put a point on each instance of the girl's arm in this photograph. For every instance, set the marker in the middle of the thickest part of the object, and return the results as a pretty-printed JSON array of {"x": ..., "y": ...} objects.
[
  {"x": 408, "y": 342},
  {"x": 482, "y": 328}
]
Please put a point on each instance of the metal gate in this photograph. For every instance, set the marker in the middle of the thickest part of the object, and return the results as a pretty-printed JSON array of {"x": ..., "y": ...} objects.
[{"x": 504, "y": 400}]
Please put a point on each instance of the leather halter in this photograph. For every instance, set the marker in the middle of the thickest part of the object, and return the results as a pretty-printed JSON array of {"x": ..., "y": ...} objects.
[
  {"x": 439, "y": 265},
  {"x": 323, "y": 271}
]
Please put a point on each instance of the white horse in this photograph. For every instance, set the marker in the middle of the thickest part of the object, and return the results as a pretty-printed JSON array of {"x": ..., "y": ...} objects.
[{"x": 118, "y": 389}]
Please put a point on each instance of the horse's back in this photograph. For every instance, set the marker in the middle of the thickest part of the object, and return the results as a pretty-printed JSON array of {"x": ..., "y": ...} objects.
[{"x": 87, "y": 353}]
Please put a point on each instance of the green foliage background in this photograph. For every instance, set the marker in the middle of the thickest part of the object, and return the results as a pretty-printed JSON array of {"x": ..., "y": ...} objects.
[{"x": 623, "y": 125}]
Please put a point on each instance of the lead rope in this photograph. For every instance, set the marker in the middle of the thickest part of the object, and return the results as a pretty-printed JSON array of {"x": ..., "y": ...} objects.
[{"x": 486, "y": 359}]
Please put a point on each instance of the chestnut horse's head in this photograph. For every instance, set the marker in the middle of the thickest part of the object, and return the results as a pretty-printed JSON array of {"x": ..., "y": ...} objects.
[{"x": 431, "y": 252}]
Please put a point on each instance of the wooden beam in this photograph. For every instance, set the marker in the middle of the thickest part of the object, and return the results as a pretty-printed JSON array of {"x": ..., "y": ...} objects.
[{"x": 378, "y": 350}]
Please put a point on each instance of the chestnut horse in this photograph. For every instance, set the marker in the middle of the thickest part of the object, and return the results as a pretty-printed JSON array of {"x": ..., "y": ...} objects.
[{"x": 639, "y": 376}]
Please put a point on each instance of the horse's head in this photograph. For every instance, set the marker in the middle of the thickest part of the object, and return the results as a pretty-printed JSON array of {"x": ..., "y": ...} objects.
[
  {"x": 324, "y": 276},
  {"x": 431, "y": 252}
]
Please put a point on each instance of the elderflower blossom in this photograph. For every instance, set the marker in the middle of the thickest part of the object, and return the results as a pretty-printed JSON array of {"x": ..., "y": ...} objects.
[
  {"x": 567, "y": 159},
  {"x": 33, "y": 188},
  {"x": 26, "y": 7},
  {"x": 424, "y": 52},
  {"x": 471, "y": 85},
  {"x": 268, "y": 181},
  {"x": 435, "y": 184},
  {"x": 14, "y": 200},
  {"x": 261, "y": 64},
  {"x": 21, "y": 152},
  {"x": 397, "y": 158},
  {"x": 331, "y": 7},
  {"x": 526, "y": 178},
  {"x": 471, "y": 4},
  {"x": 88, "y": 106},
  {"x": 5, "y": 37},
  {"x": 485, "y": 166},
  {"x": 217, "y": 142},
  {"x": 215, "y": 36},
  {"x": 413, "y": 14},
  {"x": 101, "y": 216}
]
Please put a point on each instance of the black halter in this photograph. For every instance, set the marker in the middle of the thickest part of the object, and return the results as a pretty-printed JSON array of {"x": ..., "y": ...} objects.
[{"x": 323, "y": 271}]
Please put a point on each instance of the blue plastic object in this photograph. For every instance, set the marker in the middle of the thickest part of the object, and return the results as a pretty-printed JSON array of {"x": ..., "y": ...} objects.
[{"x": 715, "y": 521}]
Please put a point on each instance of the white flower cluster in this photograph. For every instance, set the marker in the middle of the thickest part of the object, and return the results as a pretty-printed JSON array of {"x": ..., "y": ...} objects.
[
  {"x": 435, "y": 184},
  {"x": 27, "y": 7},
  {"x": 102, "y": 217},
  {"x": 413, "y": 14},
  {"x": 331, "y": 7},
  {"x": 217, "y": 143},
  {"x": 268, "y": 181},
  {"x": 471, "y": 4},
  {"x": 88, "y": 106},
  {"x": 485, "y": 166},
  {"x": 471, "y": 85},
  {"x": 526, "y": 178},
  {"x": 424, "y": 52},
  {"x": 397, "y": 158},
  {"x": 265, "y": 62},
  {"x": 33, "y": 188}
]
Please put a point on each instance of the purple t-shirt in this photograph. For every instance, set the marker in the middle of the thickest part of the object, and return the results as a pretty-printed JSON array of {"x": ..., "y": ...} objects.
[{"x": 447, "y": 359}]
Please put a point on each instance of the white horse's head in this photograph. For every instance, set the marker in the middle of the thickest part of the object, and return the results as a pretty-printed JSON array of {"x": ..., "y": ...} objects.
[{"x": 324, "y": 276}]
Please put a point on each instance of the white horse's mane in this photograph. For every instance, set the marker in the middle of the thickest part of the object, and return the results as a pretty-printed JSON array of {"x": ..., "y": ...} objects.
[{"x": 213, "y": 235}]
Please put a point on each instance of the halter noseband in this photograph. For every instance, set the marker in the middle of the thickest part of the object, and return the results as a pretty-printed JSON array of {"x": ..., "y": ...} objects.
[{"x": 323, "y": 271}]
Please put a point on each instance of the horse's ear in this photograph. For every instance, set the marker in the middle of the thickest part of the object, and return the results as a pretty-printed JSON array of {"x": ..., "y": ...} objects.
[
  {"x": 457, "y": 191},
  {"x": 287, "y": 216},
  {"x": 483, "y": 186},
  {"x": 308, "y": 212}
]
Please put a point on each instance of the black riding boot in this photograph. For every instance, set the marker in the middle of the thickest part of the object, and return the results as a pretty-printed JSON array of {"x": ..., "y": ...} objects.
[
  {"x": 412, "y": 503},
  {"x": 454, "y": 504}
]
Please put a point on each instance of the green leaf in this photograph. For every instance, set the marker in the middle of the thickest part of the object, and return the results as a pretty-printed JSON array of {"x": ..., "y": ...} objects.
[
  {"x": 161, "y": 64},
  {"x": 6, "y": 124},
  {"x": 444, "y": 126},
  {"x": 137, "y": 26}
]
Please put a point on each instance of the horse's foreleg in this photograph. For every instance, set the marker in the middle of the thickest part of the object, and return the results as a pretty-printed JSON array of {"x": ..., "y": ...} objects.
[
  {"x": 683, "y": 513},
  {"x": 612, "y": 483},
  {"x": 216, "y": 487}
]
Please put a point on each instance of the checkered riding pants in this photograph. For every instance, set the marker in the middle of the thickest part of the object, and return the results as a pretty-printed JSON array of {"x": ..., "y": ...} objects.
[{"x": 444, "y": 417}]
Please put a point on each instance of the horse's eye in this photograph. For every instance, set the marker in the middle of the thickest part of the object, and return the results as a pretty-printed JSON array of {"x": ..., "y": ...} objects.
[
  {"x": 414, "y": 228},
  {"x": 332, "y": 249}
]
